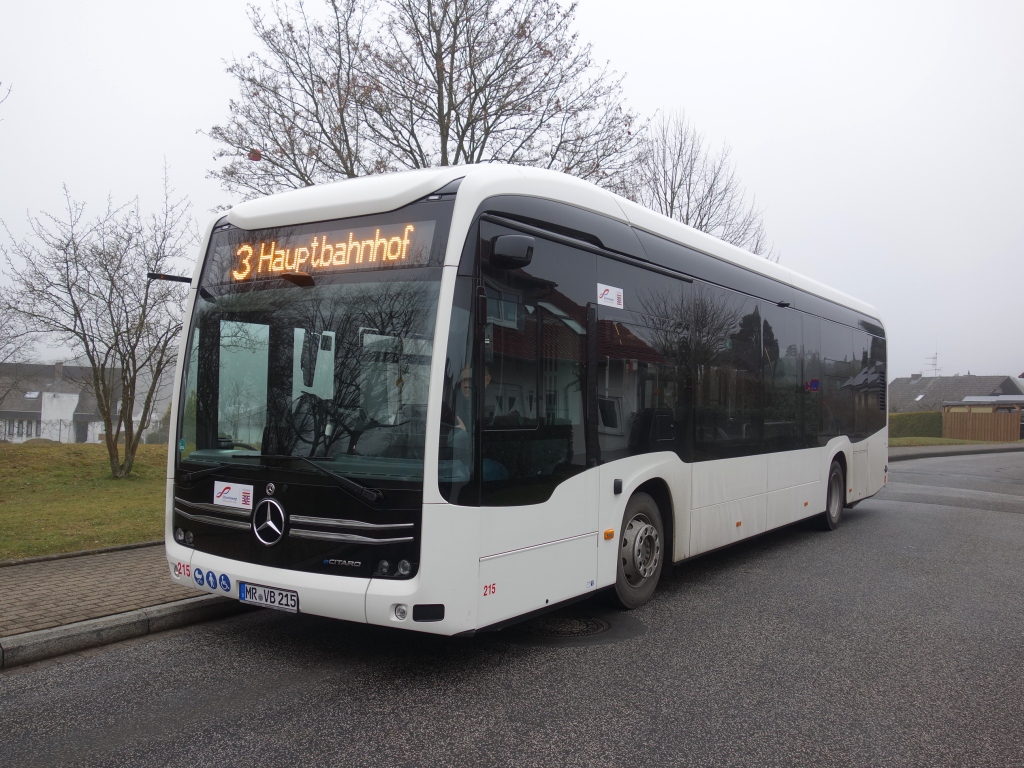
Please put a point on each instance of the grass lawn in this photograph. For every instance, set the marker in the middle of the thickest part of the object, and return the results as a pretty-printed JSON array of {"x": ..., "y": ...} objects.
[
  {"x": 61, "y": 498},
  {"x": 913, "y": 442}
]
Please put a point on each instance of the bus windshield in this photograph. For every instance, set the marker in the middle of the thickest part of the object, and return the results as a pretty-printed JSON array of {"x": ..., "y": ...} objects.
[
  {"x": 338, "y": 371},
  {"x": 324, "y": 362}
]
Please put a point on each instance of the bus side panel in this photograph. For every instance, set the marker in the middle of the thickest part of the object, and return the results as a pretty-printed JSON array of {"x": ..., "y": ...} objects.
[
  {"x": 525, "y": 580},
  {"x": 878, "y": 457},
  {"x": 791, "y": 504},
  {"x": 729, "y": 501},
  {"x": 791, "y": 468},
  {"x": 716, "y": 526},
  {"x": 570, "y": 511},
  {"x": 794, "y": 485},
  {"x": 721, "y": 480}
]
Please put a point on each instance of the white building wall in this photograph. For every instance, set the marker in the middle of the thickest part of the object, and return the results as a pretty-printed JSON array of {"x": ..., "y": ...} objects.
[{"x": 58, "y": 416}]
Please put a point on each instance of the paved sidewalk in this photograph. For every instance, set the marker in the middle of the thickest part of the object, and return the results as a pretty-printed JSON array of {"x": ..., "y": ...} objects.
[{"x": 40, "y": 595}]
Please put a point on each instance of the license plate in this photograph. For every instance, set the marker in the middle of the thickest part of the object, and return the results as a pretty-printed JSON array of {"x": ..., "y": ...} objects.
[{"x": 269, "y": 597}]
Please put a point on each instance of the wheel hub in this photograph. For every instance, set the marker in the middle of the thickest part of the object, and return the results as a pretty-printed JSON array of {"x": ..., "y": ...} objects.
[{"x": 641, "y": 550}]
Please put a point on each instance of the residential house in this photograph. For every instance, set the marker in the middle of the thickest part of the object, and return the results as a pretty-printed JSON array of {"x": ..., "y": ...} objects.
[
  {"x": 51, "y": 401},
  {"x": 928, "y": 393}
]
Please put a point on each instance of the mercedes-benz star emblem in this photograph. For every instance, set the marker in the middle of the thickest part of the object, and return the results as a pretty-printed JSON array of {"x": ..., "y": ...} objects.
[
  {"x": 270, "y": 489},
  {"x": 268, "y": 522}
]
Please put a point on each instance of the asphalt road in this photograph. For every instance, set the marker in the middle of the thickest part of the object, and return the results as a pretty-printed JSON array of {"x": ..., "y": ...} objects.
[{"x": 897, "y": 640}]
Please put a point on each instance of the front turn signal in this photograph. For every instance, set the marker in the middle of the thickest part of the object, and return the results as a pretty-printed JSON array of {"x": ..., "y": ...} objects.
[{"x": 609, "y": 534}]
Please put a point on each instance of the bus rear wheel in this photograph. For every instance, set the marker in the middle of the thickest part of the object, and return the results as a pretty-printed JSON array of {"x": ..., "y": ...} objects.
[
  {"x": 835, "y": 498},
  {"x": 641, "y": 552}
]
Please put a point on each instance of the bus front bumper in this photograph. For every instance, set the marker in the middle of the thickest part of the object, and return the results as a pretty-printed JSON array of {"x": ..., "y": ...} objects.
[{"x": 373, "y": 601}]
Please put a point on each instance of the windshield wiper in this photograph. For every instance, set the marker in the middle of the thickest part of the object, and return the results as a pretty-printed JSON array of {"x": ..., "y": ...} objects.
[
  {"x": 370, "y": 495},
  {"x": 188, "y": 477}
]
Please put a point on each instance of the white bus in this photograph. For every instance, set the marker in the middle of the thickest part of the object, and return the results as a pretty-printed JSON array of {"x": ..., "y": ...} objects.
[{"x": 444, "y": 400}]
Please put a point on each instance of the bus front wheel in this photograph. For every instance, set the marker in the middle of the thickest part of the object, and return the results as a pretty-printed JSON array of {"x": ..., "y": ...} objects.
[
  {"x": 641, "y": 552},
  {"x": 835, "y": 499}
]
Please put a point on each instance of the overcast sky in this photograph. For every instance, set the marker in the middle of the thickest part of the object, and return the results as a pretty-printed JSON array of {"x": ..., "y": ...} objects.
[{"x": 882, "y": 139}]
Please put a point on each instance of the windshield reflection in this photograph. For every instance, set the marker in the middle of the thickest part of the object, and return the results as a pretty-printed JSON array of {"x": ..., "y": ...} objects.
[{"x": 337, "y": 371}]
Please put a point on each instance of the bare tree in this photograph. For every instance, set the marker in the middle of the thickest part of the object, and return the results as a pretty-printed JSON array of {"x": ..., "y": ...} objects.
[
  {"x": 678, "y": 175},
  {"x": 82, "y": 282},
  {"x": 15, "y": 346},
  {"x": 444, "y": 82},
  {"x": 299, "y": 119},
  {"x": 466, "y": 81}
]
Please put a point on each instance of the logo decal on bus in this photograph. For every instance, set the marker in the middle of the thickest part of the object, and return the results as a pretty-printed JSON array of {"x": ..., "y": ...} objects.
[
  {"x": 609, "y": 296},
  {"x": 232, "y": 495}
]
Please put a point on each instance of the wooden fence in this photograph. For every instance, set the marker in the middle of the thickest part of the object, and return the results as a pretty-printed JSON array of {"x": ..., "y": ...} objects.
[{"x": 993, "y": 427}]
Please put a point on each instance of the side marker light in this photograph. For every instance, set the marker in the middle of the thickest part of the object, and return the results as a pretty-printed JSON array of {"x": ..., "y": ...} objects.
[
  {"x": 805, "y": 503},
  {"x": 609, "y": 534},
  {"x": 739, "y": 523}
]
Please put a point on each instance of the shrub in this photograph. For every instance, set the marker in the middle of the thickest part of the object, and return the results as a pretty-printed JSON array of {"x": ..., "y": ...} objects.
[{"x": 917, "y": 424}]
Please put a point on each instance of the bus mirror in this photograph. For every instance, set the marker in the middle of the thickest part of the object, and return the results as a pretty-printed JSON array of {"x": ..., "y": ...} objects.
[{"x": 511, "y": 251}]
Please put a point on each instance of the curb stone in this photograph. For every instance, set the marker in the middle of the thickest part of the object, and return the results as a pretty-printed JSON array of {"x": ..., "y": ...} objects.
[
  {"x": 56, "y": 641},
  {"x": 922, "y": 453}
]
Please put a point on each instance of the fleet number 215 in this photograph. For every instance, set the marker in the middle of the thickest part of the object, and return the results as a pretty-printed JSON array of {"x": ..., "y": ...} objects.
[{"x": 489, "y": 589}]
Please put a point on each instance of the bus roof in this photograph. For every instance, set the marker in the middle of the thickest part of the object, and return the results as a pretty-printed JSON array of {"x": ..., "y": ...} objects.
[{"x": 385, "y": 192}]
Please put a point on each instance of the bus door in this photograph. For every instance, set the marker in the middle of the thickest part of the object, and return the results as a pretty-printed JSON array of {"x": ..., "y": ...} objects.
[{"x": 538, "y": 500}]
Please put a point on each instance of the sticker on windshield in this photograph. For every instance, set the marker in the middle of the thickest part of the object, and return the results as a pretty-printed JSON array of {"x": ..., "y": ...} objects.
[
  {"x": 609, "y": 296},
  {"x": 232, "y": 495}
]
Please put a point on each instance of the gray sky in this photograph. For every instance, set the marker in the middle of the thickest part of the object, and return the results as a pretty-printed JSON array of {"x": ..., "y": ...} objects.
[{"x": 882, "y": 139}]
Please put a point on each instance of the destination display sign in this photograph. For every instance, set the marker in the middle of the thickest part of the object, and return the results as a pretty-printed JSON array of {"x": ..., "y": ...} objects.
[{"x": 334, "y": 250}]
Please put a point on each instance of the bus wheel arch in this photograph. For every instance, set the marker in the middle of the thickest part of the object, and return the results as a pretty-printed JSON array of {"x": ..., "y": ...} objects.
[
  {"x": 641, "y": 552},
  {"x": 840, "y": 458}
]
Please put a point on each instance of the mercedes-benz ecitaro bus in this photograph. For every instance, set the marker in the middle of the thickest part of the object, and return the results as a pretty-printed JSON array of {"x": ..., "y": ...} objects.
[{"x": 446, "y": 399}]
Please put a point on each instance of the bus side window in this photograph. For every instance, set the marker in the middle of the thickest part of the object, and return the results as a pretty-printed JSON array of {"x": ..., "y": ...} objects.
[
  {"x": 782, "y": 377},
  {"x": 837, "y": 372},
  {"x": 533, "y": 419},
  {"x": 811, "y": 409},
  {"x": 643, "y": 364},
  {"x": 728, "y": 414}
]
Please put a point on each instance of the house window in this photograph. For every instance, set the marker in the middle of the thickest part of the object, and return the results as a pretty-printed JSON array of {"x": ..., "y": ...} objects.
[
  {"x": 502, "y": 308},
  {"x": 21, "y": 427},
  {"x": 39, "y": 426},
  {"x": 609, "y": 415}
]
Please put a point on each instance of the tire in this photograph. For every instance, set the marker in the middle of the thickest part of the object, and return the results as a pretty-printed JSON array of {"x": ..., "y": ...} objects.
[
  {"x": 835, "y": 498},
  {"x": 641, "y": 553}
]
